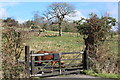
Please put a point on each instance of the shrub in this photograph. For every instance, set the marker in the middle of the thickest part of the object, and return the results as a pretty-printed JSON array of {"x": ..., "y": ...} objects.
[{"x": 11, "y": 49}]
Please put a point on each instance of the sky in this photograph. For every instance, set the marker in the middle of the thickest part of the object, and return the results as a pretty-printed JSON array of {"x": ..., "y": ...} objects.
[{"x": 23, "y": 11}]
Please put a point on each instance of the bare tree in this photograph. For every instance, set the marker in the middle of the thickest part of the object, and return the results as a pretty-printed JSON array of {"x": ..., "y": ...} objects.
[
  {"x": 56, "y": 13},
  {"x": 39, "y": 20}
]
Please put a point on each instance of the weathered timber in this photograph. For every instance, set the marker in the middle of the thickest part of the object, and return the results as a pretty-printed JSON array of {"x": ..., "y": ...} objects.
[{"x": 27, "y": 58}]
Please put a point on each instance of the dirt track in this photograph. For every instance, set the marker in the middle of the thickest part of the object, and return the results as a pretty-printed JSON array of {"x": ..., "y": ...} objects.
[
  {"x": 79, "y": 77},
  {"x": 0, "y": 74},
  {"x": 74, "y": 76}
]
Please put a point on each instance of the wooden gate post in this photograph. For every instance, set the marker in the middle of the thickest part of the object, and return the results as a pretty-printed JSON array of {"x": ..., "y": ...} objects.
[
  {"x": 60, "y": 69},
  {"x": 85, "y": 60},
  {"x": 32, "y": 64},
  {"x": 27, "y": 63}
]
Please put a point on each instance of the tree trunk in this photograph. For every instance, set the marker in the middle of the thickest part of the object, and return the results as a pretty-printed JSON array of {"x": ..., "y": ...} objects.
[
  {"x": 89, "y": 43},
  {"x": 60, "y": 30}
]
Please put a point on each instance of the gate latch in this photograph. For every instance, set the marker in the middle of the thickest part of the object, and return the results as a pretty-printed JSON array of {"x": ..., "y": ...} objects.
[{"x": 56, "y": 56}]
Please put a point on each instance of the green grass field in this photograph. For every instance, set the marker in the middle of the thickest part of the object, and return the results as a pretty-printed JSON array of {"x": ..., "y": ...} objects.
[{"x": 67, "y": 43}]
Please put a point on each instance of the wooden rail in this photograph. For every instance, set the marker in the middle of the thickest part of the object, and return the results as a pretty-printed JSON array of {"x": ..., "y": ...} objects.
[
  {"x": 73, "y": 52},
  {"x": 45, "y": 54}
]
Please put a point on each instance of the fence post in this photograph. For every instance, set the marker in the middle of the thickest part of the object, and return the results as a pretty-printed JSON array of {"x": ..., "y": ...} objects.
[
  {"x": 27, "y": 63},
  {"x": 85, "y": 60},
  {"x": 60, "y": 69},
  {"x": 32, "y": 63}
]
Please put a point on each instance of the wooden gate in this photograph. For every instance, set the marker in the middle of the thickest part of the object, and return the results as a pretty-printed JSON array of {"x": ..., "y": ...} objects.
[{"x": 73, "y": 62}]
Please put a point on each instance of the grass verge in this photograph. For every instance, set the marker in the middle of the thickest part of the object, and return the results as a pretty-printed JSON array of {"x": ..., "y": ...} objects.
[{"x": 102, "y": 75}]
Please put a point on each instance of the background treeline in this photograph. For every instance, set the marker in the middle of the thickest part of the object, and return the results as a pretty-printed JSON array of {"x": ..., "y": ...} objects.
[{"x": 31, "y": 24}]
